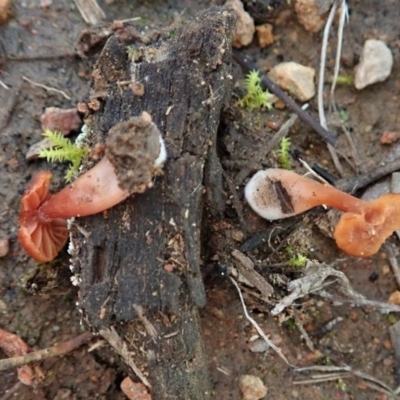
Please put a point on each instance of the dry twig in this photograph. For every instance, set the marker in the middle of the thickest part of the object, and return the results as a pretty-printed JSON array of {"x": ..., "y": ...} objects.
[
  {"x": 120, "y": 347},
  {"x": 346, "y": 368},
  {"x": 2, "y": 84},
  {"x": 258, "y": 329},
  {"x": 395, "y": 339},
  {"x": 246, "y": 269},
  {"x": 392, "y": 256},
  {"x": 48, "y": 88},
  {"x": 39, "y": 355},
  {"x": 316, "y": 279}
]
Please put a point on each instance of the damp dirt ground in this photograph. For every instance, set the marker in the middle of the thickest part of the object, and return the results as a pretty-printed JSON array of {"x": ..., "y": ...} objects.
[{"x": 39, "y": 43}]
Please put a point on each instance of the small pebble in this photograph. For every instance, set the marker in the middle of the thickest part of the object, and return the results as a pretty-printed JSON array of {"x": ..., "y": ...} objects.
[
  {"x": 64, "y": 121},
  {"x": 375, "y": 64},
  {"x": 389, "y": 137},
  {"x": 297, "y": 79},
  {"x": 237, "y": 235},
  {"x": 4, "y": 10},
  {"x": 245, "y": 28},
  {"x": 134, "y": 390},
  {"x": 4, "y": 247},
  {"x": 258, "y": 346},
  {"x": 309, "y": 15},
  {"x": 252, "y": 387},
  {"x": 264, "y": 34},
  {"x": 394, "y": 298}
]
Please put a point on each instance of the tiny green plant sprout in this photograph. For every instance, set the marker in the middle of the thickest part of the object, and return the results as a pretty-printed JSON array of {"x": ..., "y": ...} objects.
[
  {"x": 255, "y": 96},
  {"x": 344, "y": 80},
  {"x": 63, "y": 149},
  {"x": 296, "y": 260},
  {"x": 284, "y": 153},
  {"x": 132, "y": 53}
]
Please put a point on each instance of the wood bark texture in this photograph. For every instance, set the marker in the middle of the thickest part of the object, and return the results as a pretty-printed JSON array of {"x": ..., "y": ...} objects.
[{"x": 139, "y": 263}]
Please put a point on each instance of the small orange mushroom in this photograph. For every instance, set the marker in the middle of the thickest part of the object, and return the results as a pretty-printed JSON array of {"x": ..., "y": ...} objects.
[
  {"x": 41, "y": 239},
  {"x": 43, "y": 218},
  {"x": 362, "y": 229},
  {"x": 138, "y": 153}
]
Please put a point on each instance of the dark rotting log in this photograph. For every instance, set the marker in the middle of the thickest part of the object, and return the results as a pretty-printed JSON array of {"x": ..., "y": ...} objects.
[{"x": 139, "y": 263}]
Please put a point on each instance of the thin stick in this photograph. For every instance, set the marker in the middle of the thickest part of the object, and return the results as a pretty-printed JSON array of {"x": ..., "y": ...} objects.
[
  {"x": 351, "y": 185},
  {"x": 54, "y": 351},
  {"x": 303, "y": 332},
  {"x": 270, "y": 85},
  {"x": 4, "y": 85},
  {"x": 49, "y": 89},
  {"x": 346, "y": 368},
  {"x": 41, "y": 57},
  {"x": 121, "y": 348},
  {"x": 258, "y": 329},
  {"x": 90, "y": 11},
  {"x": 323, "y": 378},
  {"x": 393, "y": 262},
  {"x": 129, "y": 20}
]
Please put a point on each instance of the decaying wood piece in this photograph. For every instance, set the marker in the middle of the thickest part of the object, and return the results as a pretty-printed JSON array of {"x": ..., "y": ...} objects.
[{"x": 139, "y": 263}]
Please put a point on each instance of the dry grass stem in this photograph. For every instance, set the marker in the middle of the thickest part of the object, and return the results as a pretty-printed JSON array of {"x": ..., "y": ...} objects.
[
  {"x": 91, "y": 12},
  {"x": 258, "y": 328},
  {"x": 48, "y": 88}
]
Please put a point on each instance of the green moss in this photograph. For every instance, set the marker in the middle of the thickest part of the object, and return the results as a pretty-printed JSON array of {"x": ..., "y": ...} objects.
[
  {"x": 255, "y": 96},
  {"x": 284, "y": 153},
  {"x": 64, "y": 150}
]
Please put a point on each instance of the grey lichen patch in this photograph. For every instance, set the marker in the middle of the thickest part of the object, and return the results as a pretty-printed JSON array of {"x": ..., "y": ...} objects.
[{"x": 134, "y": 148}]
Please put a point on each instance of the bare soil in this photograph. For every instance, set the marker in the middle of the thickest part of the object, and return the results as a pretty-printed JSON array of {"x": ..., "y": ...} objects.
[{"x": 39, "y": 303}]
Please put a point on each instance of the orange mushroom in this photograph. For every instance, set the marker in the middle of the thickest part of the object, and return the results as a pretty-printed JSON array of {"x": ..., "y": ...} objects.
[
  {"x": 42, "y": 240},
  {"x": 137, "y": 151},
  {"x": 362, "y": 229}
]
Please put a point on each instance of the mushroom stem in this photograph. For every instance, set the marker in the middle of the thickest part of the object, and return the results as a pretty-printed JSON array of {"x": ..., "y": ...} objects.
[
  {"x": 94, "y": 191},
  {"x": 362, "y": 229},
  {"x": 277, "y": 193}
]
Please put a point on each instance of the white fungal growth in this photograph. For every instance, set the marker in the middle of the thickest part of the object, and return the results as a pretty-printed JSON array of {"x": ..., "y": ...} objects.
[{"x": 162, "y": 157}]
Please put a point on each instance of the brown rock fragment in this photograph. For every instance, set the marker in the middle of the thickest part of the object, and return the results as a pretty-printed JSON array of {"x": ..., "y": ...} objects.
[
  {"x": 134, "y": 390},
  {"x": 4, "y": 246},
  {"x": 4, "y": 10},
  {"x": 245, "y": 28},
  {"x": 394, "y": 298},
  {"x": 309, "y": 15},
  {"x": 264, "y": 34},
  {"x": 252, "y": 387},
  {"x": 57, "y": 119},
  {"x": 389, "y": 137}
]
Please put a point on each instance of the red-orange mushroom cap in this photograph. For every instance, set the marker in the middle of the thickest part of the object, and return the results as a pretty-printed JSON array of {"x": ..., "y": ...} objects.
[
  {"x": 362, "y": 229},
  {"x": 362, "y": 234},
  {"x": 42, "y": 239}
]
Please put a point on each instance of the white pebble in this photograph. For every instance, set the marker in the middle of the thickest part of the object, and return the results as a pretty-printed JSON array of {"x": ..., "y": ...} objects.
[{"x": 375, "y": 64}]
